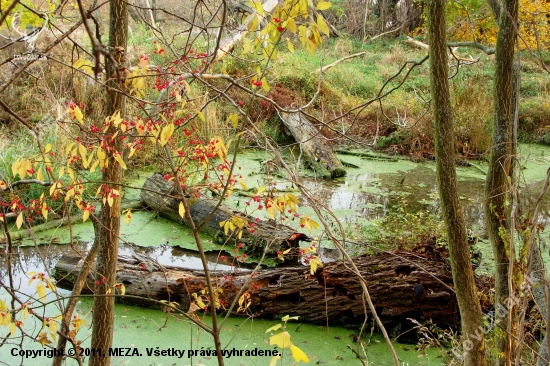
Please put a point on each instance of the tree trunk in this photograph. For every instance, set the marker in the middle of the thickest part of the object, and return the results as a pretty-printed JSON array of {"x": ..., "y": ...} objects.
[
  {"x": 263, "y": 236},
  {"x": 402, "y": 285},
  {"x": 459, "y": 253},
  {"x": 319, "y": 156},
  {"x": 500, "y": 164},
  {"x": 109, "y": 217}
]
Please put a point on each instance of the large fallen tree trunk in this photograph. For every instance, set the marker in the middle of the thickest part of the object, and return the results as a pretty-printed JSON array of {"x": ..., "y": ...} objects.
[
  {"x": 318, "y": 154},
  {"x": 257, "y": 237},
  {"x": 402, "y": 285}
]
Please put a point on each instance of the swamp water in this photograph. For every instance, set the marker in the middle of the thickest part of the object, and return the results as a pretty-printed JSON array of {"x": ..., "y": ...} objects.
[{"x": 367, "y": 194}]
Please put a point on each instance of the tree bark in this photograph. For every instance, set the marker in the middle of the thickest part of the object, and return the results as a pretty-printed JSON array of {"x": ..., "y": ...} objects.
[
  {"x": 109, "y": 217},
  {"x": 319, "y": 156},
  {"x": 497, "y": 207},
  {"x": 459, "y": 253},
  {"x": 263, "y": 236},
  {"x": 402, "y": 285}
]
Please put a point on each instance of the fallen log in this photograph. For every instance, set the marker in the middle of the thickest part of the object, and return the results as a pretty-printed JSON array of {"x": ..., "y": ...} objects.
[
  {"x": 402, "y": 285},
  {"x": 257, "y": 237},
  {"x": 318, "y": 154}
]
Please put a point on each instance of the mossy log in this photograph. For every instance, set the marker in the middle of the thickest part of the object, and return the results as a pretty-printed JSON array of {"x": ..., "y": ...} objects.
[
  {"x": 257, "y": 237},
  {"x": 402, "y": 285},
  {"x": 318, "y": 154}
]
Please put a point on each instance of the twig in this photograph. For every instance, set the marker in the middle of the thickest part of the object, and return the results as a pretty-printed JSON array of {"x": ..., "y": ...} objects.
[{"x": 326, "y": 67}]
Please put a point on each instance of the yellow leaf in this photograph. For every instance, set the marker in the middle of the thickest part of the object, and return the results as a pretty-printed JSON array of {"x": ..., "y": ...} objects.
[
  {"x": 313, "y": 266},
  {"x": 12, "y": 328},
  {"x": 19, "y": 220},
  {"x": 76, "y": 113},
  {"x": 291, "y": 25},
  {"x": 83, "y": 152},
  {"x": 127, "y": 216},
  {"x": 323, "y": 5},
  {"x": 265, "y": 85},
  {"x": 253, "y": 23},
  {"x": 39, "y": 175},
  {"x": 273, "y": 328},
  {"x": 78, "y": 323},
  {"x": 15, "y": 167},
  {"x": 85, "y": 215},
  {"x": 298, "y": 354},
  {"x": 118, "y": 158},
  {"x": 314, "y": 224},
  {"x": 260, "y": 190},
  {"x": 271, "y": 211},
  {"x": 122, "y": 289},
  {"x": 7, "y": 319},
  {"x": 116, "y": 118},
  {"x": 166, "y": 133},
  {"x": 182, "y": 210},
  {"x": 246, "y": 47},
  {"x": 323, "y": 26},
  {"x": 290, "y": 45},
  {"x": 110, "y": 201},
  {"x": 243, "y": 184},
  {"x": 48, "y": 148},
  {"x": 201, "y": 116},
  {"x": 45, "y": 210},
  {"x": 84, "y": 65},
  {"x": 94, "y": 166},
  {"x": 234, "y": 119},
  {"x": 259, "y": 8},
  {"x": 274, "y": 360},
  {"x": 281, "y": 340},
  {"x": 140, "y": 128},
  {"x": 41, "y": 291}
]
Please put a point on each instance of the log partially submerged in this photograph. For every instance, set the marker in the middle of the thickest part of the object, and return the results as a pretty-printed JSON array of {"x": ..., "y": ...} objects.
[
  {"x": 318, "y": 154},
  {"x": 402, "y": 285},
  {"x": 257, "y": 237}
]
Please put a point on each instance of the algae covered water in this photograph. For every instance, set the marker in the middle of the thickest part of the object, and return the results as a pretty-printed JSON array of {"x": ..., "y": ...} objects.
[{"x": 151, "y": 337}]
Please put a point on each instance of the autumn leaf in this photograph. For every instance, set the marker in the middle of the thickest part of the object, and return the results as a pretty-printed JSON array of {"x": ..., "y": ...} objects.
[
  {"x": 19, "y": 220},
  {"x": 281, "y": 340},
  {"x": 298, "y": 354},
  {"x": 127, "y": 216},
  {"x": 274, "y": 360},
  {"x": 234, "y": 119},
  {"x": 323, "y": 5},
  {"x": 41, "y": 289},
  {"x": 273, "y": 328},
  {"x": 181, "y": 210},
  {"x": 323, "y": 26},
  {"x": 85, "y": 215},
  {"x": 84, "y": 65},
  {"x": 45, "y": 210},
  {"x": 119, "y": 159}
]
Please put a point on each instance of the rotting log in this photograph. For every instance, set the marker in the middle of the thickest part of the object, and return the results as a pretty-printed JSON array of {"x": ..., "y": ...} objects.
[
  {"x": 402, "y": 285},
  {"x": 257, "y": 237},
  {"x": 318, "y": 153}
]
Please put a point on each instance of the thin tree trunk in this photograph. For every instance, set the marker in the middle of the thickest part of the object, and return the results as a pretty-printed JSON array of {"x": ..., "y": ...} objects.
[
  {"x": 500, "y": 164},
  {"x": 109, "y": 217},
  {"x": 461, "y": 265}
]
